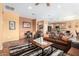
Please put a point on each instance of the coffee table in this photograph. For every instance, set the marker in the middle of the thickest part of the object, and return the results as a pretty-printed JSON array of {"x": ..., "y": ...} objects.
[{"x": 42, "y": 45}]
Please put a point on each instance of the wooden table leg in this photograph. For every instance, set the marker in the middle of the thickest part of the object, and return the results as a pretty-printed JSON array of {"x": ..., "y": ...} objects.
[
  {"x": 42, "y": 52},
  {"x": 51, "y": 48}
]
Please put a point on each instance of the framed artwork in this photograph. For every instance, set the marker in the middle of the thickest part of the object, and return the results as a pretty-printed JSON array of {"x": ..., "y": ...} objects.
[
  {"x": 40, "y": 26},
  {"x": 12, "y": 25},
  {"x": 26, "y": 25}
]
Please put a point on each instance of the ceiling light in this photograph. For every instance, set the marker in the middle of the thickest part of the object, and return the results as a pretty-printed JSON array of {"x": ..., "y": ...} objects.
[
  {"x": 29, "y": 7},
  {"x": 48, "y": 4},
  {"x": 36, "y": 4}
]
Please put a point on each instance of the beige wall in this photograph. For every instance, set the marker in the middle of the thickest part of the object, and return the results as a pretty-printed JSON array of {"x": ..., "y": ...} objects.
[
  {"x": 21, "y": 28},
  {"x": 1, "y": 8},
  {"x": 34, "y": 26},
  {"x": 10, "y": 35},
  {"x": 6, "y": 34}
]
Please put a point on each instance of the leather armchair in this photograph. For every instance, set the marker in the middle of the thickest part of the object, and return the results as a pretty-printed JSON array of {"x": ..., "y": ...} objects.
[{"x": 28, "y": 37}]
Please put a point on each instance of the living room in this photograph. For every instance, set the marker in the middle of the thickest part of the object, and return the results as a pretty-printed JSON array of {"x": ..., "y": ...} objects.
[{"x": 23, "y": 26}]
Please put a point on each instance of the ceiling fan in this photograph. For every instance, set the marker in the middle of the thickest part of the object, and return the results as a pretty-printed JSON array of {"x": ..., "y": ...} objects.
[{"x": 47, "y": 4}]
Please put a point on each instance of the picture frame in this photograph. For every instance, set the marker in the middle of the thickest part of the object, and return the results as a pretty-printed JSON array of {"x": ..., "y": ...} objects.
[
  {"x": 26, "y": 25},
  {"x": 40, "y": 26},
  {"x": 12, "y": 25}
]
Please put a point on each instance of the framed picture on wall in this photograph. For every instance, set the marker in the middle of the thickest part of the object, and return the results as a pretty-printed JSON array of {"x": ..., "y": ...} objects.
[
  {"x": 12, "y": 25},
  {"x": 26, "y": 25},
  {"x": 40, "y": 26}
]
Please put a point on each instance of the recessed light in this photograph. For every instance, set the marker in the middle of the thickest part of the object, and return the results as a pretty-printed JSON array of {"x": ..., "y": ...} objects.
[{"x": 29, "y": 7}]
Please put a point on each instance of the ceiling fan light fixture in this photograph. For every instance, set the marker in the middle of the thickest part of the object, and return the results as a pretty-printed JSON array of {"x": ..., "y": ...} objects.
[
  {"x": 48, "y": 4},
  {"x": 36, "y": 4}
]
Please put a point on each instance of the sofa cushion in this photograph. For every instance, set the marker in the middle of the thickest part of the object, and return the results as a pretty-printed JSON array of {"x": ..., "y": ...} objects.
[
  {"x": 61, "y": 42},
  {"x": 65, "y": 38}
]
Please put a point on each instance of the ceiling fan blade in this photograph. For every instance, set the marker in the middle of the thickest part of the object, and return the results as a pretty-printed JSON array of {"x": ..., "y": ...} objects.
[
  {"x": 48, "y": 4},
  {"x": 36, "y": 4}
]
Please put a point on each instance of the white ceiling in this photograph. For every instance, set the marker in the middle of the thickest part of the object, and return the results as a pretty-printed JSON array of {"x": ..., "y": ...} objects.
[{"x": 55, "y": 12}]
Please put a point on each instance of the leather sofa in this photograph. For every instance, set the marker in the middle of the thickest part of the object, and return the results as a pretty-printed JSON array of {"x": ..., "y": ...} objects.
[{"x": 60, "y": 43}]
